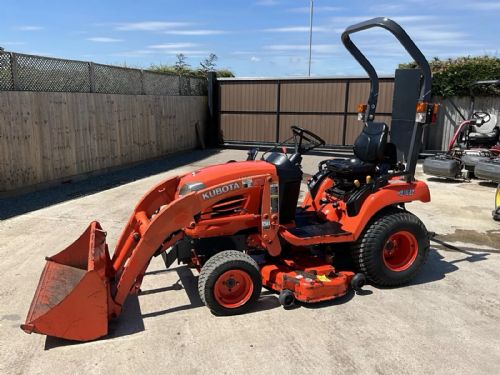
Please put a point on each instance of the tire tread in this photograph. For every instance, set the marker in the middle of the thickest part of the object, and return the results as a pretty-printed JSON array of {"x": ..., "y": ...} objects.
[
  {"x": 365, "y": 261},
  {"x": 219, "y": 259}
]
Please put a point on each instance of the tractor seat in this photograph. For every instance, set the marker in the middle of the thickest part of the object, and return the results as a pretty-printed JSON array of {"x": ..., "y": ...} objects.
[
  {"x": 484, "y": 137},
  {"x": 353, "y": 166},
  {"x": 369, "y": 150}
]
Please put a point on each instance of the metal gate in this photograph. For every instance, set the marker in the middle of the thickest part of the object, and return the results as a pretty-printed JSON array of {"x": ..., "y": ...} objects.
[{"x": 261, "y": 111}]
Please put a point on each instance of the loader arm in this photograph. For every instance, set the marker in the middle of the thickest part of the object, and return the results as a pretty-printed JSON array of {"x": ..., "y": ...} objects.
[
  {"x": 154, "y": 223},
  {"x": 158, "y": 220}
]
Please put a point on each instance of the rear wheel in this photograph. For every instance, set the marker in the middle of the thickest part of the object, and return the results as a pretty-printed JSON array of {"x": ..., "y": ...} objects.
[
  {"x": 392, "y": 249},
  {"x": 229, "y": 283}
]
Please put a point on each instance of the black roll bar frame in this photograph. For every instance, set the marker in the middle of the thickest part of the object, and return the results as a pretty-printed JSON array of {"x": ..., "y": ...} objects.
[{"x": 426, "y": 83}]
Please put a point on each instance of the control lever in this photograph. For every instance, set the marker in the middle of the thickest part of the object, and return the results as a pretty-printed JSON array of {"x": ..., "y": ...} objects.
[{"x": 252, "y": 154}]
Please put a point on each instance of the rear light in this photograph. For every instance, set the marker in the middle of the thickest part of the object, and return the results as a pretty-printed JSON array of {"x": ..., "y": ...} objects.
[
  {"x": 421, "y": 112},
  {"x": 421, "y": 107},
  {"x": 435, "y": 111},
  {"x": 362, "y": 111},
  {"x": 426, "y": 112}
]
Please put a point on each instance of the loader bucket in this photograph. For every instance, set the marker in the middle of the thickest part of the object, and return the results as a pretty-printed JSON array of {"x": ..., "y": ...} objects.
[{"x": 71, "y": 300}]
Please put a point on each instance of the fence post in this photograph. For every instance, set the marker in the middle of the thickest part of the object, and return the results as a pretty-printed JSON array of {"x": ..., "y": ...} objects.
[
  {"x": 92, "y": 77},
  {"x": 14, "y": 72},
  {"x": 212, "y": 135},
  {"x": 278, "y": 103},
  {"x": 346, "y": 109}
]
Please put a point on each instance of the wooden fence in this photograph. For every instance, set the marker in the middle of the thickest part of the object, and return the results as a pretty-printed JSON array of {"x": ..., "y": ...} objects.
[{"x": 51, "y": 136}]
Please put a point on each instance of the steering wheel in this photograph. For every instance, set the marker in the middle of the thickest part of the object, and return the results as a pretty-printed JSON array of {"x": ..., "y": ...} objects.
[
  {"x": 481, "y": 117},
  {"x": 302, "y": 135}
]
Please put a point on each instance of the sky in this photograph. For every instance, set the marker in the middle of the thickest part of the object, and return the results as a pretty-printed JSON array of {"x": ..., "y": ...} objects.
[{"x": 253, "y": 38}]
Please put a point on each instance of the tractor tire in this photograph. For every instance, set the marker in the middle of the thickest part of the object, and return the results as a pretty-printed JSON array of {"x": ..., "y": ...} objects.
[
  {"x": 230, "y": 283},
  {"x": 392, "y": 249}
]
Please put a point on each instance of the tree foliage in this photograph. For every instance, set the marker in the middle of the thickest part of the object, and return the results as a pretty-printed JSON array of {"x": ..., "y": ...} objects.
[
  {"x": 181, "y": 67},
  {"x": 209, "y": 64},
  {"x": 452, "y": 77}
]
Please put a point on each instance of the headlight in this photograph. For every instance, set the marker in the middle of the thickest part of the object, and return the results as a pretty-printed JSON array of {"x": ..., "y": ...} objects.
[{"x": 190, "y": 187}]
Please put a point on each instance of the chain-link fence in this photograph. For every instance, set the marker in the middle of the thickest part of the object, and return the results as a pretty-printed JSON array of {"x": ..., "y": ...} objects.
[{"x": 23, "y": 72}]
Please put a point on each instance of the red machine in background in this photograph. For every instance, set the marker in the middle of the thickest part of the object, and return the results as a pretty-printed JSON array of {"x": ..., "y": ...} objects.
[{"x": 477, "y": 139}]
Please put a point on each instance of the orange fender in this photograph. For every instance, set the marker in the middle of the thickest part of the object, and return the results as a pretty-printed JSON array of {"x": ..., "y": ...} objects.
[{"x": 394, "y": 193}]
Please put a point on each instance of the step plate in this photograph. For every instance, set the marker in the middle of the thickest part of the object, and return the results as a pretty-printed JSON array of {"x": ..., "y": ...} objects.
[{"x": 317, "y": 230}]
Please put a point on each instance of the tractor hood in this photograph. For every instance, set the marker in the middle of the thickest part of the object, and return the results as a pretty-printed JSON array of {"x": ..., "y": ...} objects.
[{"x": 220, "y": 173}]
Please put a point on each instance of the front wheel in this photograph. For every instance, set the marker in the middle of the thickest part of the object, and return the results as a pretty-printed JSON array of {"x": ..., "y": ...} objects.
[
  {"x": 392, "y": 249},
  {"x": 230, "y": 283}
]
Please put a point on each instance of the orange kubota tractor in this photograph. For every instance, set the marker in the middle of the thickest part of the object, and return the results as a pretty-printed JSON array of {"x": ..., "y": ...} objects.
[{"x": 238, "y": 223}]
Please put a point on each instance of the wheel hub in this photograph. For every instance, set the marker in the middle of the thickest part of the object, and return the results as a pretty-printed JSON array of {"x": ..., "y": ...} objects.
[
  {"x": 230, "y": 283},
  {"x": 233, "y": 288},
  {"x": 400, "y": 251},
  {"x": 390, "y": 248}
]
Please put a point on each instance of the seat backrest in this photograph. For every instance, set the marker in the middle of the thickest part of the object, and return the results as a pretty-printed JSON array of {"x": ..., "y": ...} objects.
[
  {"x": 391, "y": 154},
  {"x": 371, "y": 143}
]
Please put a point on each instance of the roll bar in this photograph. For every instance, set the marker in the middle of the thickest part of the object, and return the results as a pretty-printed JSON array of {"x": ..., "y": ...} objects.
[{"x": 406, "y": 42}]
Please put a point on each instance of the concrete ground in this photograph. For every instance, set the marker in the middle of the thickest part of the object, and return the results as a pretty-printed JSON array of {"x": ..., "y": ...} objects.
[{"x": 446, "y": 322}]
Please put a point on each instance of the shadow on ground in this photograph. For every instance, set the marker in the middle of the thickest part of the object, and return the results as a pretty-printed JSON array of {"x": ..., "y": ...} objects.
[
  {"x": 437, "y": 267},
  {"x": 490, "y": 184},
  {"x": 189, "y": 283},
  {"x": 434, "y": 269},
  {"x": 333, "y": 302},
  {"x": 446, "y": 180},
  {"x": 21, "y": 204}
]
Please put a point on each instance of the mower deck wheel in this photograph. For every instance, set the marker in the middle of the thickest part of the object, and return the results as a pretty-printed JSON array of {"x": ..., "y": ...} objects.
[
  {"x": 286, "y": 298},
  {"x": 357, "y": 282},
  {"x": 392, "y": 249},
  {"x": 229, "y": 283}
]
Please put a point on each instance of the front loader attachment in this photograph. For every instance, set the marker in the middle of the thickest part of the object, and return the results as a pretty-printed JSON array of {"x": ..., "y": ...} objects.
[
  {"x": 82, "y": 287},
  {"x": 71, "y": 300}
]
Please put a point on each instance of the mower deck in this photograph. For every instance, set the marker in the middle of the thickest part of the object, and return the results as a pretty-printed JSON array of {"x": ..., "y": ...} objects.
[{"x": 309, "y": 279}]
